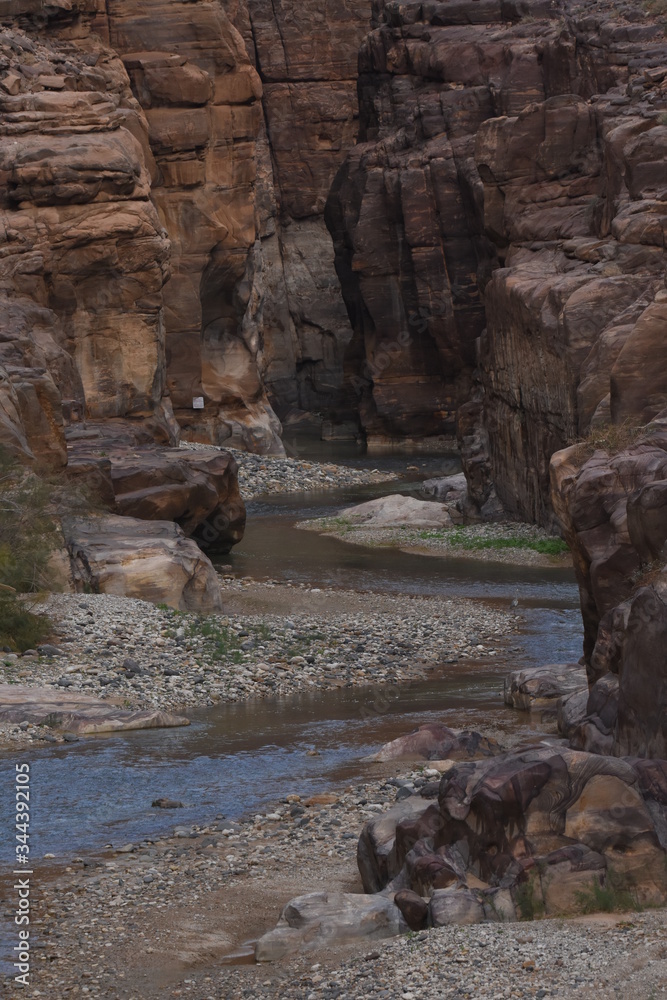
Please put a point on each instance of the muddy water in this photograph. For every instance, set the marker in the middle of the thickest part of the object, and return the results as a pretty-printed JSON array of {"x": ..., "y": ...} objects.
[{"x": 235, "y": 759}]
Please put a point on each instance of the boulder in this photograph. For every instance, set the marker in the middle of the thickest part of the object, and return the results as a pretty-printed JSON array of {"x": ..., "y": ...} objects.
[
  {"x": 536, "y": 689},
  {"x": 449, "y": 488},
  {"x": 326, "y": 919},
  {"x": 376, "y": 850},
  {"x": 398, "y": 512},
  {"x": 414, "y": 909},
  {"x": 456, "y": 905},
  {"x": 522, "y": 834},
  {"x": 151, "y": 560},
  {"x": 198, "y": 489},
  {"x": 72, "y": 712},
  {"x": 435, "y": 741}
]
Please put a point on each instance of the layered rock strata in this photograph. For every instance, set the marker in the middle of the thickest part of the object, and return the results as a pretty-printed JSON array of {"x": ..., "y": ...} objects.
[
  {"x": 197, "y": 489},
  {"x": 307, "y": 60},
  {"x": 612, "y": 506},
  {"x": 537, "y": 831},
  {"x": 84, "y": 254},
  {"x": 485, "y": 142},
  {"x": 151, "y": 560}
]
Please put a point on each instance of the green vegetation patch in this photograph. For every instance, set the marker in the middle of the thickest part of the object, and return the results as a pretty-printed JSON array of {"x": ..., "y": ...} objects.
[
  {"x": 456, "y": 537},
  {"x": 614, "y": 895}
]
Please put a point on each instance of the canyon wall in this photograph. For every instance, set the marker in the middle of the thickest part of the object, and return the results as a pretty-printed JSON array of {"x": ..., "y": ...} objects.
[
  {"x": 212, "y": 295},
  {"x": 307, "y": 60},
  {"x": 507, "y": 184},
  {"x": 500, "y": 241}
]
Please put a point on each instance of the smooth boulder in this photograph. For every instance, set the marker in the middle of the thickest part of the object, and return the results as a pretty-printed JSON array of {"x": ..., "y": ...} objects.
[
  {"x": 397, "y": 511},
  {"x": 322, "y": 919},
  {"x": 151, "y": 560},
  {"x": 435, "y": 741},
  {"x": 77, "y": 713}
]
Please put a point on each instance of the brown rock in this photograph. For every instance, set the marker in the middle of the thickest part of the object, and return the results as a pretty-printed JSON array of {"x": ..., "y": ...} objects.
[
  {"x": 414, "y": 909},
  {"x": 151, "y": 560},
  {"x": 76, "y": 713}
]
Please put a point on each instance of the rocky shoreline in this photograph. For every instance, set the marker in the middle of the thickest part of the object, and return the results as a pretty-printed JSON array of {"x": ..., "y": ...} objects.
[
  {"x": 511, "y": 542},
  {"x": 155, "y": 918},
  {"x": 260, "y": 474}
]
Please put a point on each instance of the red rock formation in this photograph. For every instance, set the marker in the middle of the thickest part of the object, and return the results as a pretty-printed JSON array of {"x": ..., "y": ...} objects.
[
  {"x": 190, "y": 72},
  {"x": 484, "y": 143},
  {"x": 307, "y": 60},
  {"x": 611, "y": 505},
  {"x": 84, "y": 256},
  {"x": 541, "y": 821}
]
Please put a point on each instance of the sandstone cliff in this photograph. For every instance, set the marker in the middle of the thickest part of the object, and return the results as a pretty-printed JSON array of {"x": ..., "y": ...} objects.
[
  {"x": 508, "y": 182},
  {"x": 220, "y": 127},
  {"x": 500, "y": 235}
]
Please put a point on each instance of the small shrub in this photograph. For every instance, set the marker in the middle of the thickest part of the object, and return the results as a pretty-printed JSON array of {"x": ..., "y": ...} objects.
[
  {"x": 612, "y": 438},
  {"x": 529, "y": 903},
  {"x": 607, "y": 895},
  {"x": 656, "y": 7},
  {"x": 20, "y": 629}
]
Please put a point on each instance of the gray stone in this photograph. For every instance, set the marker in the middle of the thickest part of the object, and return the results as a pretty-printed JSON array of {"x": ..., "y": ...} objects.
[{"x": 323, "y": 919}]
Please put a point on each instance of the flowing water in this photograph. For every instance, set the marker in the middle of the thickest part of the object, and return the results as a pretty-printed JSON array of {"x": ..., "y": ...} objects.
[{"x": 235, "y": 759}]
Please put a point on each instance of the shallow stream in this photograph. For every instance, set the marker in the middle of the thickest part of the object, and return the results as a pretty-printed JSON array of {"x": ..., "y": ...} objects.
[{"x": 235, "y": 759}]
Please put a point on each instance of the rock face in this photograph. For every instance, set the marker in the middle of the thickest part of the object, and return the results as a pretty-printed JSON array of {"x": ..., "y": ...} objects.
[
  {"x": 307, "y": 60},
  {"x": 190, "y": 72},
  {"x": 164, "y": 241},
  {"x": 152, "y": 560},
  {"x": 485, "y": 141},
  {"x": 522, "y": 834},
  {"x": 84, "y": 252},
  {"x": 610, "y": 505}
]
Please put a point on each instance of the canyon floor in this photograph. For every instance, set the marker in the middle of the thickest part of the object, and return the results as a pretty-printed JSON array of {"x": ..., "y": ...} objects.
[
  {"x": 156, "y": 917},
  {"x": 155, "y": 920}
]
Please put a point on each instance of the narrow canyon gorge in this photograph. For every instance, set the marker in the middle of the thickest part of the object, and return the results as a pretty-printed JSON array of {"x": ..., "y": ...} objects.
[
  {"x": 401, "y": 222},
  {"x": 413, "y": 226}
]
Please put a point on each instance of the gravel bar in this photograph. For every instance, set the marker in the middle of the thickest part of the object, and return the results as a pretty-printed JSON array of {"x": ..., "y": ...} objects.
[
  {"x": 144, "y": 656},
  {"x": 263, "y": 474}
]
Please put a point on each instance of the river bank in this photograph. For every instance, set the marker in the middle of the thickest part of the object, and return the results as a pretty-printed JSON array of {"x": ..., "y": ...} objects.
[
  {"x": 261, "y": 475},
  {"x": 276, "y": 639},
  {"x": 156, "y": 918}
]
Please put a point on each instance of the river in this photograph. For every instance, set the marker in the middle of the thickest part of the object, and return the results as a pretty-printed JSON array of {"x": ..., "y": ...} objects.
[{"x": 235, "y": 759}]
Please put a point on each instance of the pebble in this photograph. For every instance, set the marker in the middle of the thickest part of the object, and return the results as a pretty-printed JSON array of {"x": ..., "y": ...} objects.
[{"x": 87, "y": 906}]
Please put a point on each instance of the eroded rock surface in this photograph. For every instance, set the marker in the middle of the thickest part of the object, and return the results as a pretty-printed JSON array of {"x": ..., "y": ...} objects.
[
  {"x": 525, "y": 136},
  {"x": 610, "y": 505},
  {"x": 539, "y": 689},
  {"x": 76, "y": 713},
  {"x": 151, "y": 560},
  {"x": 196, "y": 489},
  {"x": 527, "y": 830}
]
